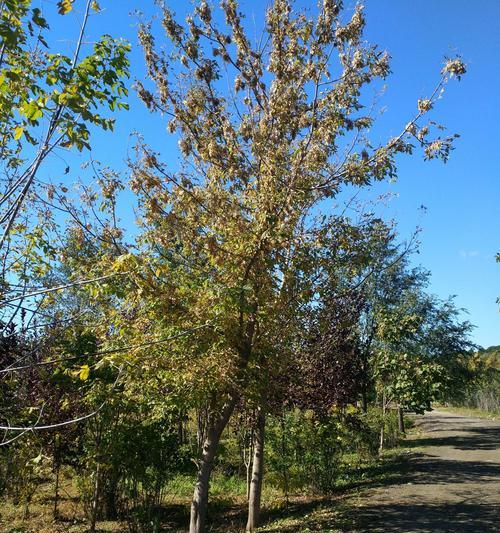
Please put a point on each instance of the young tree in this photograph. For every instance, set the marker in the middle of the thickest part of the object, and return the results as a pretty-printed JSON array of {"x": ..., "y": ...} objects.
[
  {"x": 258, "y": 159},
  {"x": 416, "y": 340}
]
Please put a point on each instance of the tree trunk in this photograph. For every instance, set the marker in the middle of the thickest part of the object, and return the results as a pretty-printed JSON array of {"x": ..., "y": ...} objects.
[
  {"x": 381, "y": 444},
  {"x": 401, "y": 420},
  {"x": 56, "y": 494},
  {"x": 382, "y": 428},
  {"x": 200, "y": 497},
  {"x": 95, "y": 499},
  {"x": 201, "y": 422},
  {"x": 56, "y": 467},
  {"x": 248, "y": 460},
  {"x": 364, "y": 400},
  {"x": 257, "y": 473},
  {"x": 111, "y": 496},
  {"x": 285, "y": 470}
]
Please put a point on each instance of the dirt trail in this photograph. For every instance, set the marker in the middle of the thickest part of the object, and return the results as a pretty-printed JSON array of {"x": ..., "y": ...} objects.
[{"x": 452, "y": 482}]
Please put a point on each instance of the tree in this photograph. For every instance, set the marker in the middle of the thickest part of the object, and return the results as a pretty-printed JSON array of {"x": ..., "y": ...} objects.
[
  {"x": 49, "y": 102},
  {"x": 258, "y": 159},
  {"x": 416, "y": 340}
]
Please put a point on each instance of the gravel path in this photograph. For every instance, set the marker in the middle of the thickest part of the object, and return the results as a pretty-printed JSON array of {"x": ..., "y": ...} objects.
[{"x": 452, "y": 483}]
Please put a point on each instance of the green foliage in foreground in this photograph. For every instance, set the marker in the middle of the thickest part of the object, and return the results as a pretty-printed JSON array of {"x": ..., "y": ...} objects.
[{"x": 145, "y": 475}]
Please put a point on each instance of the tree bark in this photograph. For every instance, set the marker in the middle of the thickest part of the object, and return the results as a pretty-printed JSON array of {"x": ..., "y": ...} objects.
[
  {"x": 56, "y": 494},
  {"x": 56, "y": 466},
  {"x": 200, "y": 497},
  {"x": 111, "y": 496},
  {"x": 257, "y": 473},
  {"x": 95, "y": 499},
  {"x": 248, "y": 460},
  {"x": 382, "y": 428}
]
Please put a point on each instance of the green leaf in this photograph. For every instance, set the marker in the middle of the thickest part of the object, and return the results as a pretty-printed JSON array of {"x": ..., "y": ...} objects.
[
  {"x": 31, "y": 110},
  {"x": 38, "y": 19},
  {"x": 36, "y": 460}
]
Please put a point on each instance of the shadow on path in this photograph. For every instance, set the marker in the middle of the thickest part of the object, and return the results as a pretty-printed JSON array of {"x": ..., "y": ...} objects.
[
  {"x": 430, "y": 470},
  {"x": 428, "y": 518},
  {"x": 470, "y": 438},
  {"x": 452, "y": 486},
  {"x": 451, "y": 483}
]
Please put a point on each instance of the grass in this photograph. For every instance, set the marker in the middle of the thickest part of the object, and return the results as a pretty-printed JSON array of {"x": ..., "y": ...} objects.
[
  {"x": 227, "y": 511},
  {"x": 305, "y": 514},
  {"x": 336, "y": 513},
  {"x": 40, "y": 518}
]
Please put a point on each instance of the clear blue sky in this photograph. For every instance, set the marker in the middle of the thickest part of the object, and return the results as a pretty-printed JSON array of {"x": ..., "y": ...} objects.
[{"x": 461, "y": 227}]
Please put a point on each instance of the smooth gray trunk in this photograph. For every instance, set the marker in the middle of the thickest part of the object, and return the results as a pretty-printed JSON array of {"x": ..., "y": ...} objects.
[
  {"x": 248, "y": 460},
  {"x": 257, "y": 473},
  {"x": 382, "y": 438},
  {"x": 95, "y": 499},
  {"x": 199, "y": 502},
  {"x": 57, "y": 466}
]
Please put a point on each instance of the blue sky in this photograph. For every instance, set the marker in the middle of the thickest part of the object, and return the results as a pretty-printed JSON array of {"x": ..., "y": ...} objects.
[{"x": 461, "y": 224}]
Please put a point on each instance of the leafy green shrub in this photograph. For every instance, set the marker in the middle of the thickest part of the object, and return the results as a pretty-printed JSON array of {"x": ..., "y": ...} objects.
[
  {"x": 306, "y": 452},
  {"x": 375, "y": 419},
  {"x": 25, "y": 468}
]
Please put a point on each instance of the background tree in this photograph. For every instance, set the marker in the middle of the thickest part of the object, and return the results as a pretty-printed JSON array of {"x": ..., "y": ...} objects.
[{"x": 416, "y": 340}]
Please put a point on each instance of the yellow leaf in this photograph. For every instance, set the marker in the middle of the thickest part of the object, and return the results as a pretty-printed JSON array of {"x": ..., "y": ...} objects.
[
  {"x": 84, "y": 372},
  {"x": 18, "y": 131},
  {"x": 64, "y": 6}
]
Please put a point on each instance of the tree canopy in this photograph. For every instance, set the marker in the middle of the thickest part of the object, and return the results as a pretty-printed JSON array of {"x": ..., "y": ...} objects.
[{"x": 247, "y": 290}]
